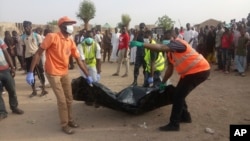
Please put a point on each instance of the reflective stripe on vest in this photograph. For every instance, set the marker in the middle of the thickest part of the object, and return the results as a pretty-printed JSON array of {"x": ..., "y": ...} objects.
[
  {"x": 186, "y": 61},
  {"x": 159, "y": 63}
]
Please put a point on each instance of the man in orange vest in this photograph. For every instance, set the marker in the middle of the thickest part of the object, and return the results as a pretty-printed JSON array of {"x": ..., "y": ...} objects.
[{"x": 190, "y": 65}]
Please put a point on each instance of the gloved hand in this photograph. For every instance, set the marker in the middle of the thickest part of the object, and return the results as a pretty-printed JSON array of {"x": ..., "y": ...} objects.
[
  {"x": 89, "y": 80},
  {"x": 150, "y": 80},
  {"x": 30, "y": 78},
  {"x": 136, "y": 44},
  {"x": 162, "y": 86},
  {"x": 98, "y": 77}
]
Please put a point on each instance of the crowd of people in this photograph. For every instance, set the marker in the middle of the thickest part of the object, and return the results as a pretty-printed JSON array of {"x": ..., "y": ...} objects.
[{"x": 50, "y": 56}]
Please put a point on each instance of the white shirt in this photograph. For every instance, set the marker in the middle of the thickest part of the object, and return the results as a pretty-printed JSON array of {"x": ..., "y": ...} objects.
[
  {"x": 82, "y": 56},
  {"x": 98, "y": 38},
  {"x": 188, "y": 35}
]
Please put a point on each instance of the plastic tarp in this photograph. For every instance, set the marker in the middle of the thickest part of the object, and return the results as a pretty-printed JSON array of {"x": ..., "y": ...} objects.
[{"x": 133, "y": 100}]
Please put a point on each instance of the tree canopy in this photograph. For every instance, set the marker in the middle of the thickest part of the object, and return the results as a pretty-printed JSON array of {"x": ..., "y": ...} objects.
[
  {"x": 86, "y": 12},
  {"x": 165, "y": 22}
]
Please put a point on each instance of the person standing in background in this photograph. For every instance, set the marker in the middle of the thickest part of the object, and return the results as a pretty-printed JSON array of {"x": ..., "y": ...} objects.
[
  {"x": 7, "y": 74},
  {"x": 115, "y": 43},
  {"x": 19, "y": 49},
  {"x": 139, "y": 59},
  {"x": 122, "y": 52},
  {"x": 107, "y": 45},
  {"x": 11, "y": 46},
  {"x": 132, "y": 50}
]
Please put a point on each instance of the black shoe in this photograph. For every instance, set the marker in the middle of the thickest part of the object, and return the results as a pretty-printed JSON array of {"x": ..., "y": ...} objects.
[
  {"x": 134, "y": 84},
  {"x": 3, "y": 116},
  {"x": 17, "y": 111},
  {"x": 32, "y": 94},
  {"x": 186, "y": 118},
  {"x": 43, "y": 93},
  {"x": 71, "y": 67},
  {"x": 170, "y": 127}
]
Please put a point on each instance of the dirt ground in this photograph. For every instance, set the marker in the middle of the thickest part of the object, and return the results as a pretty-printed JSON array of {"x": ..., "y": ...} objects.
[{"x": 220, "y": 101}]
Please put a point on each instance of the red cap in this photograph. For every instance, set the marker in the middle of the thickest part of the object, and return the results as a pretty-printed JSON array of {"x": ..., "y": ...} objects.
[{"x": 65, "y": 19}]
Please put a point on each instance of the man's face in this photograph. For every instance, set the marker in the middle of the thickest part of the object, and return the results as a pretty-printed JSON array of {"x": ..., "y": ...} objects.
[
  {"x": 142, "y": 28},
  {"x": 123, "y": 29},
  {"x": 28, "y": 29}
]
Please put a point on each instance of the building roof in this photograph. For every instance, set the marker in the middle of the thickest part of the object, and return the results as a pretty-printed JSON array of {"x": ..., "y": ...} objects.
[{"x": 209, "y": 22}]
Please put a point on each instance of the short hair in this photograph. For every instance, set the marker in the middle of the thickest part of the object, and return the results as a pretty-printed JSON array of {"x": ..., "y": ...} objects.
[
  {"x": 169, "y": 32},
  {"x": 27, "y": 23}
]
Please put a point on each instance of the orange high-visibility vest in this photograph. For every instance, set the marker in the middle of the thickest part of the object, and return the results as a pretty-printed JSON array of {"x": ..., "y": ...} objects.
[{"x": 188, "y": 62}]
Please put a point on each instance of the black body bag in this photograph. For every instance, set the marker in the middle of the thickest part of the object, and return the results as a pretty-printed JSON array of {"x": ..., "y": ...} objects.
[{"x": 133, "y": 100}]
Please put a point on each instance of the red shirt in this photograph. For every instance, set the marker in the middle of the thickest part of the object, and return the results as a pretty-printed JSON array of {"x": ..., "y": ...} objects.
[
  {"x": 124, "y": 41},
  {"x": 226, "y": 40}
]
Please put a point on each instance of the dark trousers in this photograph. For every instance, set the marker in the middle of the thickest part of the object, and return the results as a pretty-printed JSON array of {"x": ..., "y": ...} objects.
[
  {"x": 183, "y": 88},
  {"x": 71, "y": 62},
  {"x": 248, "y": 55},
  {"x": 157, "y": 79},
  {"x": 219, "y": 58},
  {"x": 139, "y": 61},
  {"x": 21, "y": 61},
  {"x": 107, "y": 50},
  {"x": 7, "y": 81},
  {"x": 38, "y": 69}
]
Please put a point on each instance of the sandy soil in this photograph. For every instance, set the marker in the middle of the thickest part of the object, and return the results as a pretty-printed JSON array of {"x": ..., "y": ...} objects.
[{"x": 220, "y": 101}]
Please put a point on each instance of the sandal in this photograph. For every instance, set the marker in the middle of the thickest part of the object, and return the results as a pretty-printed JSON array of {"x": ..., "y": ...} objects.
[
  {"x": 68, "y": 130},
  {"x": 73, "y": 124},
  {"x": 115, "y": 74}
]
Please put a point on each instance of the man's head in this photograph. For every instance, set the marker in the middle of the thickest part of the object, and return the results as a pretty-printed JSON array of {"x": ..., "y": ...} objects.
[
  {"x": 14, "y": 33},
  {"x": 27, "y": 26},
  {"x": 124, "y": 29},
  {"x": 169, "y": 34},
  {"x": 219, "y": 26},
  {"x": 89, "y": 38},
  {"x": 148, "y": 36},
  {"x": 142, "y": 26},
  {"x": 188, "y": 26},
  {"x": 66, "y": 25},
  {"x": 39, "y": 30},
  {"x": 116, "y": 30}
]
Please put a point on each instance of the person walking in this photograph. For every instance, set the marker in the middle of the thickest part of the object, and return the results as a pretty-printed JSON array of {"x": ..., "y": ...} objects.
[
  {"x": 7, "y": 74},
  {"x": 192, "y": 67},
  {"x": 122, "y": 52},
  {"x": 59, "y": 46},
  {"x": 31, "y": 42}
]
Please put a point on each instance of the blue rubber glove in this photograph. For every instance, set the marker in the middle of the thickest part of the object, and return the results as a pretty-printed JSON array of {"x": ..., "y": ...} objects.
[
  {"x": 30, "y": 78},
  {"x": 98, "y": 77},
  {"x": 162, "y": 86},
  {"x": 89, "y": 80},
  {"x": 150, "y": 80},
  {"x": 136, "y": 44}
]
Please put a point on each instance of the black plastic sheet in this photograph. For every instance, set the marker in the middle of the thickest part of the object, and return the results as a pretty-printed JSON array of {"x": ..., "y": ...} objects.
[{"x": 133, "y": 100}]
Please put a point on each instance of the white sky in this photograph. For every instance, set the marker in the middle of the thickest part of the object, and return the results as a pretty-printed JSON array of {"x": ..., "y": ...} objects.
[{"x": 110, "y": 11}]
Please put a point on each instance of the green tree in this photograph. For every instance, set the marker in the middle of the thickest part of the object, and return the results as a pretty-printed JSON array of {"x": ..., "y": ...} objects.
[
  {"x": 165, "y": 22},
  {"x": 53, "y": 22},
  {"x": 86, "y": 12},
  {"x": 126, "y": 20}
]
